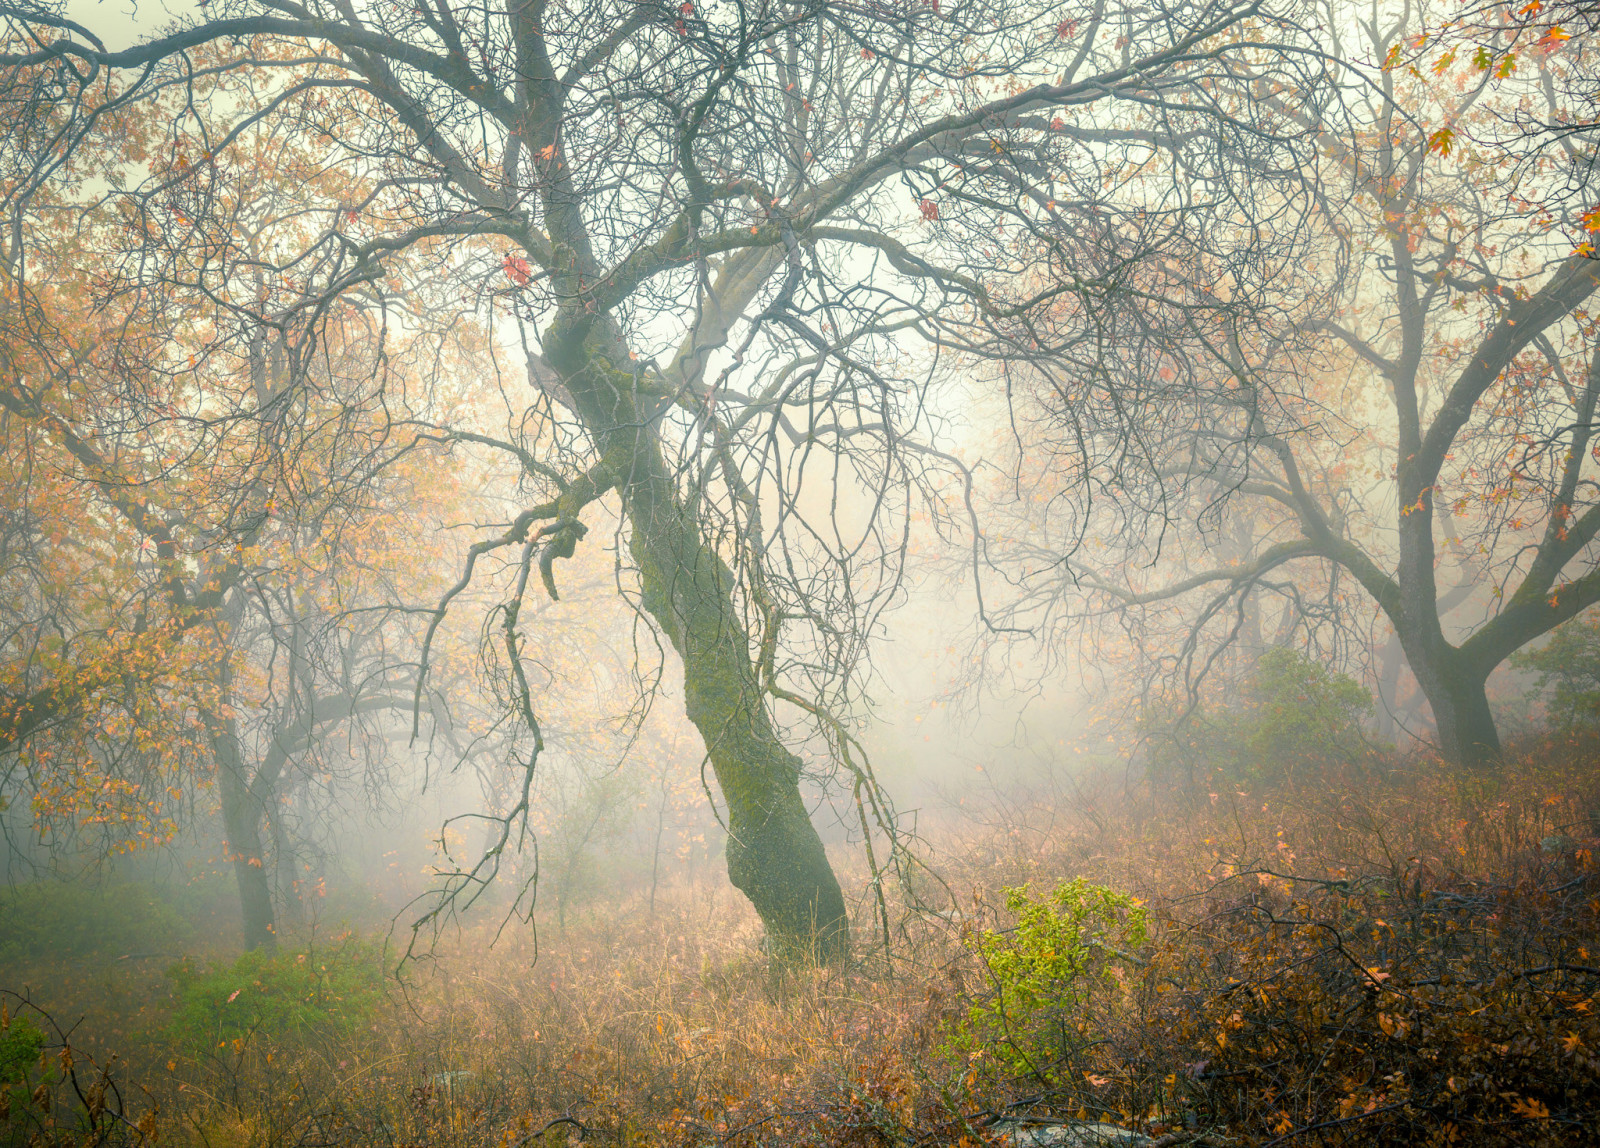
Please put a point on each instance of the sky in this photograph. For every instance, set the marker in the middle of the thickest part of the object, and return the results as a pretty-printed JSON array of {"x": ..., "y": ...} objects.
[{"x": 121, "y": 23}]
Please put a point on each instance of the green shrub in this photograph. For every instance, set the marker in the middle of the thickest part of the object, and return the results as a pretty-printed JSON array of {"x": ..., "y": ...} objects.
[
  {"x": 326, "y": 993},
  {"x": 46, "y": 921},
  {"x": 1043, "y": 970},
  {"x": 20, "y": 1043},
  {"x": 1569, "y": 661},
  {"x": 1302, "y": 710},
  {"x": 1293, "y": 711}
]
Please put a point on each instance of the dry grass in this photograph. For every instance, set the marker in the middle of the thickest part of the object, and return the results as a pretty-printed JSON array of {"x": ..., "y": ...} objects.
[{"x": 674, "y": 1029}]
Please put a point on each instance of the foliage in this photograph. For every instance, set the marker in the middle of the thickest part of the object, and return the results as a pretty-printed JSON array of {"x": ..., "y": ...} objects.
[
  {"x": 306, "y": 994},
  {"x": 1302, "y": 709},
  {"x": 1318, "y": 970},
  {"x": 51, "y": 921},
  {"x": 20, "y": 1043},
  {"x": 1294, "y": 711},
  {"x": 1399, "y": 1008},
  {"x": 1570, "y": 661},
  {"x": 1043, "y": 968}
]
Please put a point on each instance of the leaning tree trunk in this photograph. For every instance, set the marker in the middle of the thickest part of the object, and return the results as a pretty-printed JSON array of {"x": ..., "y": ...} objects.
[
  {"x": 241, "y": 822},
  {"x": 774, "y": 854}
]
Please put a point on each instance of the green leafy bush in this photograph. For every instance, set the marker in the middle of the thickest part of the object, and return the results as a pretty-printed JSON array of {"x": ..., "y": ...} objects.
[
  {"x": 1569, "y": 661},
  {"x": 310, "y": 993},
  {"x": 20, "y": 1042},
  {"x": 1293, "y": 711},
  {"x": 1043, "y": 970},
  {"x": 50, "y": 920}
]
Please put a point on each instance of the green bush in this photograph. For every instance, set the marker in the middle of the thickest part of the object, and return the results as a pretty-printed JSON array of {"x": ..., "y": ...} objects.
[
  {"x": 1043, "y": 970},
  {"x": 316, "y": 993},
  {"x": 46, "y": 921},
  {"x": 1569, "y": 661},
  {"x": 20, "y": 1043},
  {"x": 1302, "y": 710},
  {"x": 1293, "y": 711}
]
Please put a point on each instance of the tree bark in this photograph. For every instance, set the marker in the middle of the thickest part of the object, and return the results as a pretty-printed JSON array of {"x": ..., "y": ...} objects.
[
  {"x": 774, "y": 854},
  {"x": 1455, "y": 692}
]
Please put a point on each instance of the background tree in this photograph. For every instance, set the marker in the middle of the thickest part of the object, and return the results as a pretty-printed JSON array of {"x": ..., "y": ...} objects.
[
  {"x": 1384, "y": 358},
  {"x": 715, "y": 226},
  {"x": 207, "y": 559}
]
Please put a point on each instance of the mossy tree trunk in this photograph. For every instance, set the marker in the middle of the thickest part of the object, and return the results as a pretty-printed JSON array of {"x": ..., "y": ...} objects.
[{"x": 774, "y": 854}]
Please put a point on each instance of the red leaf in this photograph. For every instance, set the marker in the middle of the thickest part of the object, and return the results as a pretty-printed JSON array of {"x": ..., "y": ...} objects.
[
  {"x": 517, "y": 270},
  {"x": 930, "y": 209}
]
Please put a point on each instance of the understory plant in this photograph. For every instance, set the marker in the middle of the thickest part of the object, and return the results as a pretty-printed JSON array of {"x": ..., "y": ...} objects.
[
  {"x": 323, "y": 992},
  {"x": 1042, "y": 971}
]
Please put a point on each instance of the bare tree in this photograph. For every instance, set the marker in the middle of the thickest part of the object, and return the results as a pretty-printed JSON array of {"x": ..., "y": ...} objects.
[
  {"x": 719, "y": 229},
  {"x": 1383, "y": 356}
]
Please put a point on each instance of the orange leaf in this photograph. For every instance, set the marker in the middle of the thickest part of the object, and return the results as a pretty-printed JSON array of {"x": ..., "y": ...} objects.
[{"x": 517, "y": 270}]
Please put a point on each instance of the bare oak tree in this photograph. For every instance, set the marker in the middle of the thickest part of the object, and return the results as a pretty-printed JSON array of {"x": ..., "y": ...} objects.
[
  {"x": 717, "y": 231},
  {"x": 1382, "y": 356}
]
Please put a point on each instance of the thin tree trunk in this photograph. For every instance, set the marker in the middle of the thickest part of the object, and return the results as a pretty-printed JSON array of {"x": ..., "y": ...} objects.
[
  {"x": 241, "y": 822},
  {"x": 1390, "y": 662}
]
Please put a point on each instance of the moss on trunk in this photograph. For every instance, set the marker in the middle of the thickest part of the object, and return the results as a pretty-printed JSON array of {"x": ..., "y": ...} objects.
[{"x": 774, "y": 854}]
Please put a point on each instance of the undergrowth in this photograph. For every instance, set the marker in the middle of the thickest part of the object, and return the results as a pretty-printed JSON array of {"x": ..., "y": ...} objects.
[{"x": 1392, "y": 954}]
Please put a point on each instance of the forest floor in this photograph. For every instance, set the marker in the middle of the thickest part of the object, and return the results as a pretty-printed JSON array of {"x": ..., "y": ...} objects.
[{"x": 1387, "y": 954}]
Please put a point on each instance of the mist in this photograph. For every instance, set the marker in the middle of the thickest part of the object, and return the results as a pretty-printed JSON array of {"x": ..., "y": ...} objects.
[{"x": 941, "y": 573}]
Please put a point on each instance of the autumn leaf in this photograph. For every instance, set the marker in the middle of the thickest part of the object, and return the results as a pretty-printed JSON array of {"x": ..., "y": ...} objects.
[
  {"x": 517, "y": 270},
  {"x": 1442, "y": 141},
  {"x": 1530, "y": 1109},
  {"x": 930, "y": 210}
]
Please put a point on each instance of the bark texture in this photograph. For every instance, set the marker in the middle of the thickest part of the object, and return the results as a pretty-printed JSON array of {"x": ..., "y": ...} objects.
[{"x": 774, "y": 854}]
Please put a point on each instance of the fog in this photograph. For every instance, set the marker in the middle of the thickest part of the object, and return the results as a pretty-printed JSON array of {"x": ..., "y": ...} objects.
[{"x": 935, "y": 573}]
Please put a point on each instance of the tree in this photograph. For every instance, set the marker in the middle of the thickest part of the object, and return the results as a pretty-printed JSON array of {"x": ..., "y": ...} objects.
[
  {"x": 204, "y": 557},
  {"x": 1383, "y": 357},
  {"x": 716, "y": 227}
]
